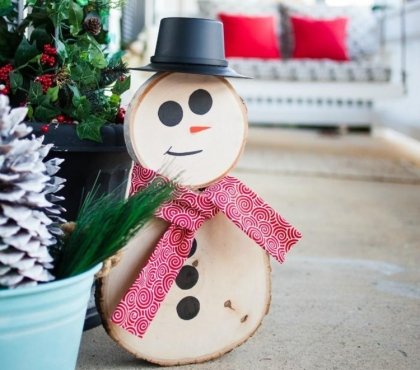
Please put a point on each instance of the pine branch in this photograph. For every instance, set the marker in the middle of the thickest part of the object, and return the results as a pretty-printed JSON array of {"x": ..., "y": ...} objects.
[
  {"x": 97, "y": 99},
  {"x": 113, "y": 72},
  {"x": 105, "y": 225}
]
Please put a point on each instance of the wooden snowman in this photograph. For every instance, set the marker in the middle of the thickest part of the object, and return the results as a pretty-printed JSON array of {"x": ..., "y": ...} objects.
[{"x": 195, "y": 282}]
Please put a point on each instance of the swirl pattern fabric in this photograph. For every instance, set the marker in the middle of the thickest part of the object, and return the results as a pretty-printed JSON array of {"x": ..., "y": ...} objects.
[{"x": 186, "y": 213}]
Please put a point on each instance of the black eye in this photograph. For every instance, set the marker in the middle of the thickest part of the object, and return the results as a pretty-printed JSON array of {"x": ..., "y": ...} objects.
[
  {"x": 170, "y": 113},
  {"x": 200, "y": 101}
]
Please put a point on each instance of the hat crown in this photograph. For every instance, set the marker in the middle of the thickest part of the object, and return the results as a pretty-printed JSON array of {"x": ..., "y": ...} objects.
[{"x": 190, "y": 41}]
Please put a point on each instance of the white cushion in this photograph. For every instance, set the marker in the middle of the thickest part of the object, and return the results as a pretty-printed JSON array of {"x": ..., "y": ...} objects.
[{"x": 311, "y": 70}]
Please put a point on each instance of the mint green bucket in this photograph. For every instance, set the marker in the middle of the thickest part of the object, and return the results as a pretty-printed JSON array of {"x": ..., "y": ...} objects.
[{"x": 41, "y": 327}]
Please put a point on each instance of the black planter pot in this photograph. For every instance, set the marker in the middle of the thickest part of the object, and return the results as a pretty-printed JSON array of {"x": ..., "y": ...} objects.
[{"x": 86, "y": 162}]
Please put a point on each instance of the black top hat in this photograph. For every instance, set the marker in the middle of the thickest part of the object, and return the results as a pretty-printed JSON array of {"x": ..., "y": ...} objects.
[{"x": 190, "y": 45}]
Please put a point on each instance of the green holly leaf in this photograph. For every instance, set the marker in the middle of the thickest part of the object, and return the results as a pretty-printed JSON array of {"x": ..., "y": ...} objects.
[
  {"x": 4, "y": 4},
  {"x": 84, "y": 74},
  {"x": 44, "y": 100},
  {"x": 16, "y": 80},
  {"x": 75, "y": 18},
  {"x": 115, "y": 59},
  {"x": 82, "y": 107},
  {"x": 45, "y": 113},
  {"x": 121, "y": 85},
  {"x": 25, "y": 52},
  {"x": 61, "y": 49},
  {"x": 97, "y": 58},
  {"x": 90, "y": 128},
  {"x": 30, "y": 113},
  {"x": 52, "y": 93},
  {"x": 115, "y": 100},
  {"x": 6, "y": 7},
  {"x": 93, "y": 51},
  {"x": 40, "y": 36},
  {"x": 35, "y": 92},
  {"x": 75, "y": 90},
  {"x": 63, "y": 9},
  {"x": 9, "y": 42}
]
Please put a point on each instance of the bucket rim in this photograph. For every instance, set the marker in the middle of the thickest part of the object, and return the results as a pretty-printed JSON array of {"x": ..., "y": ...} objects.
[{"x": 56, "y": 284}]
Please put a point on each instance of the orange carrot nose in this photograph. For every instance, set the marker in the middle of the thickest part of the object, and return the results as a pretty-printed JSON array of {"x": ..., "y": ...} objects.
[{"x": 195, "y": 129}]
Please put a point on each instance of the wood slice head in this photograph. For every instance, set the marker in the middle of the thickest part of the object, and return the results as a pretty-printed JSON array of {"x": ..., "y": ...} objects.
[{"x": 187, "y": 126}]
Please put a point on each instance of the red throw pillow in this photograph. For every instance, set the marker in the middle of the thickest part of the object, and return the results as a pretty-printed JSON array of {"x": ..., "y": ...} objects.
[
  {"x": 250, "y": 36},
  {"x": 320, "y": 38}
]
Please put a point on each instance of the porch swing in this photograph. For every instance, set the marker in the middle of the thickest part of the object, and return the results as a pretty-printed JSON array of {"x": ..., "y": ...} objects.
[{"x": 313, "y": 92}]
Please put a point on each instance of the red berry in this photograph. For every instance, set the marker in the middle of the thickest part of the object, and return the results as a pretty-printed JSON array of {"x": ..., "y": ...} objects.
[
  {"x": 5, "y": 91},
  {"x": 4, "y": 73},
  {"x": 48, "y": 60},
  {"x": 61, "y": 118},
  {"x": 120, "y": 115},
  {"x": 45, "y": 128},
  {"x": 49, "y": 49},
  {"x": 68, "y": 120},
  {"x": 46, "y": 81}
]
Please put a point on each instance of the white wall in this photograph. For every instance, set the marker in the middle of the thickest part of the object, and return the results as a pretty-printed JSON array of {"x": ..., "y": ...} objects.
[
  {"x": 403, "y": 113},
  {"x": 175, "y": 8}
]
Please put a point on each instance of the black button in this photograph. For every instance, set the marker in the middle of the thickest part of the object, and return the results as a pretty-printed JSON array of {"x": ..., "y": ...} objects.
[
  {"x": 193, "y": 248},
  {"x": 188, "y": 308},
  {"x": 187, "y": 277}
]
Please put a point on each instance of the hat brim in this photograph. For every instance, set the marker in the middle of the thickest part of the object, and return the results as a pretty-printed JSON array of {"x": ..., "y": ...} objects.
[{"x": 200, "y": 69}]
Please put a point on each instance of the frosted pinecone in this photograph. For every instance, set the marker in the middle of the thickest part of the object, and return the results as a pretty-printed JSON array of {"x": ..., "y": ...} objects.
[{"x": 28, "y": 215}]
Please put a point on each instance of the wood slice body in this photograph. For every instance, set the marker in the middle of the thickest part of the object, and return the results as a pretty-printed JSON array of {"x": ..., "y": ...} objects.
[
  {"x": 231, "y": 283},
  {"x": 193, "y": 127}
]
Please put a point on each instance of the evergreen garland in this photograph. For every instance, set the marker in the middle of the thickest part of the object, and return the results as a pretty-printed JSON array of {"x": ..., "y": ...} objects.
[{"x": 56, "y": 57}]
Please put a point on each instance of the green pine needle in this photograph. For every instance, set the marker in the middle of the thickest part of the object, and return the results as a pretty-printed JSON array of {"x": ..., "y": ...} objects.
[{"x": 105, "y": 225}]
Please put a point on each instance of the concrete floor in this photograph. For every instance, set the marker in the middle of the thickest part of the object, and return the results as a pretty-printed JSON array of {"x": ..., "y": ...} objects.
[{"x": 348, "y": 296}]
